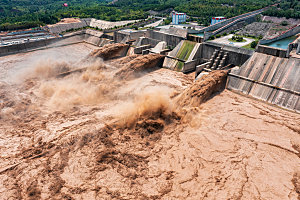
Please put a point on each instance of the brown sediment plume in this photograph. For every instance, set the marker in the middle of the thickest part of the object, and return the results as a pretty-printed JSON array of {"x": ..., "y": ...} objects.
[
  {"x": 62, "y": 89},
  {"x": 48, "y": 68},
  {"x": 110, "y": 51},
  {"x": 67, "y": 93},
  {"x": 121, "y": 61},
  {"x": 85, "y": 66},
  {"x": 140, "y": 65},
  {"x": 151, "y": 109},
  {"x": 88, "y": 87},
  {"x": 203, "y": 89},
  {"x": 135, "y": 145}
]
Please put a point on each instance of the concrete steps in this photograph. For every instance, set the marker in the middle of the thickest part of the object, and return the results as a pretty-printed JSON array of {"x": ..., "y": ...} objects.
[
  {"x": 217, "y": 60},
  {"x": 222, "y": 62},
  {"x": 212, "y": 58}
]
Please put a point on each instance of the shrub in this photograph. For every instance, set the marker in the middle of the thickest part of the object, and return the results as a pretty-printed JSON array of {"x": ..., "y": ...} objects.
[
  {"x": 224, "y": 34},
  {"x": 253, "y": 44},
  {"x": 211, "y": 37},
  {"x": 237, "y": 38},
  {"x": 134, "y": 27},
  {"x": 218, "y": 36},
  {"x": 167, "y": 21},
  {"x": 284, "y": 23}
]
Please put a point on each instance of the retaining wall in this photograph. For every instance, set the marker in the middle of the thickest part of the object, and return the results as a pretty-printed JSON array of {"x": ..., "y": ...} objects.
[
  {"x": 73, "y": 38},
  {"x": 173, "y": 62},
  {"x": 223, "y": 23},
  {"x": 139, "y": 50},
  {"x": 236, "y": 56},
  {"x": 272, "y": 51},
  {"x": 119, "y": 36},
  {"x": 171, "y": 40},
  {"x": 189, "y": 66},
  {"x": 248, "y": 19},
  {"x": 153, "y": 37},
  {"x": 195, "y": 38},
  {"x": 288, "y": 33},
  {"x": 59, "y": 28},
  {"x": 41, "y": 44}
]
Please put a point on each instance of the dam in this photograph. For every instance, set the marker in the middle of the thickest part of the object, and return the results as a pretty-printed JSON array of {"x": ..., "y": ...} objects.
[
  {"x": 270, "y": 68},
  {"x": 148, "y": 114}
]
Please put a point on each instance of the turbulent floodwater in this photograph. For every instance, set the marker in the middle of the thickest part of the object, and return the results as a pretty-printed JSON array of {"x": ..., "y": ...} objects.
[{"x": 108, "y": 132}]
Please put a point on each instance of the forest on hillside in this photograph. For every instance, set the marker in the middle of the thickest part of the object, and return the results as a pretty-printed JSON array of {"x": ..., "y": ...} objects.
[
  {"x": 287, "y": 8},
  {"x": 16, "y": 14}
]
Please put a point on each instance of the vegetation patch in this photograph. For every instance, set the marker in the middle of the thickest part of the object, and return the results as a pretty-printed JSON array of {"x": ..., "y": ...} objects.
[
  {"x": 237, "y": 38},
  {"x": 186, "y": 50},
  {"x": 179, "y": 66},
  {"x": 251, "y": 45},
  {"x": 32, "y": 13},
  {"x": 286, "y": 8}
]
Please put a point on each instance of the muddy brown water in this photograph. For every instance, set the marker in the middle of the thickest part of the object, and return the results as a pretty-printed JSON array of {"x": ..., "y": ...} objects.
[{"x": 91, "y": 135}]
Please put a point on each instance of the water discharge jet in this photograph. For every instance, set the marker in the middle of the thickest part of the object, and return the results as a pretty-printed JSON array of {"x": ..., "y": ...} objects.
[{"x": 131, "y": 138}]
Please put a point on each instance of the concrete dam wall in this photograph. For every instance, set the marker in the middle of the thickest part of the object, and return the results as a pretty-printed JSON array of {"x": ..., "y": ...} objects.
[
  {"x": 236, "y": 56},
  {"x": 269, "y": 78},
  {"x": 293, "y": 31},
  {"x": 183, "y": 57},
  {"x": 88, "y": 36},
  {"x": 61, "y": 27}
]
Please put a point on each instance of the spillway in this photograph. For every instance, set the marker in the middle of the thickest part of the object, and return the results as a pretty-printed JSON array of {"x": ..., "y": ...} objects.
[{"x": 269, "y": 78}]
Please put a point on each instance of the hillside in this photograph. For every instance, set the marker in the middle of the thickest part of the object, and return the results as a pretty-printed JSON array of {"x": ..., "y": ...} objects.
[
  {"x": 287, "y": 8},
  {"x": 26, "y": 14},
  {"x": 15, "y": 14}
]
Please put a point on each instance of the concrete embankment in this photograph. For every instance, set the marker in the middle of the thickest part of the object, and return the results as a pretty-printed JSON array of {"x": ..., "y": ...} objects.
[
  {"x": 269, "y": 78},
  {"x": 237, "y": 56},
  {"x": 88, "y": 36},
  {"x": 293, "y": 31},
  {"x": 282, "y": 53},
  {"x": 184, "y": 57},
  {"x": 61, "y": 27},
  {"x": 152, "y": 37}
]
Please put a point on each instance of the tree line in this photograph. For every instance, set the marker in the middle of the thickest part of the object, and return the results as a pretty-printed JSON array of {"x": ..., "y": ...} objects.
[
  {"x": 31, "y": 13},
  {"x": 287, "y": 8}
]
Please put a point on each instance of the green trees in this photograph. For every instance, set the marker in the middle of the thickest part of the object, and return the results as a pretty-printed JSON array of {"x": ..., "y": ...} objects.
[
  {"x": 33, "y": 15},
  {"x": 284, "y": 23},
  {"x": 253, "y": 44},
  {"x": 212, "y": 37},
  {"x": 237, "y": 38},
  {"x": 27, "y": 13},
  {"x": 205, "y": 9},
  {"x": 20, "y": 25},
  {"x": 134, "y": 27},
  {"x": 287, "y": 8},
  {"x": 168, "y": 21}
]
